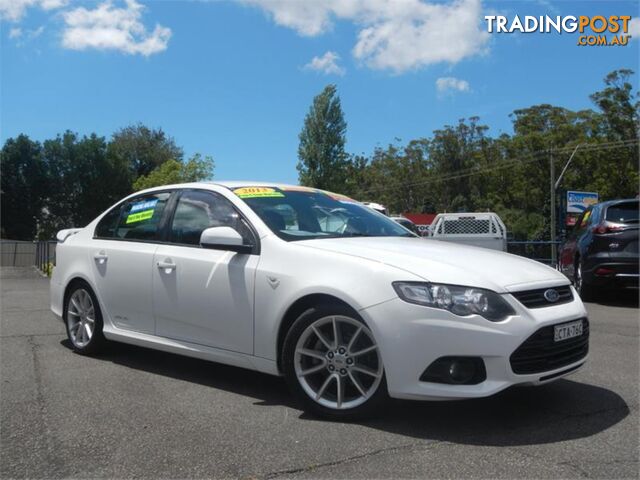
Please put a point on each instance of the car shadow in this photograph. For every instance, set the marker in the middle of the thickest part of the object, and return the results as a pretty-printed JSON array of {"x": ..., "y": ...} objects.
[
  {"x": 559, "y": 411},
  {"x": 621, "y": 298}
]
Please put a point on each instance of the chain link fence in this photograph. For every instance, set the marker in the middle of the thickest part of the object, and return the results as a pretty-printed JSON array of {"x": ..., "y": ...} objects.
[{"x": 535, "y": 250}]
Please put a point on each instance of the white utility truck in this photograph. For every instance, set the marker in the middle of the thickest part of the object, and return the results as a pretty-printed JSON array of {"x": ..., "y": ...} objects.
[{"x": 483, "y": 229}]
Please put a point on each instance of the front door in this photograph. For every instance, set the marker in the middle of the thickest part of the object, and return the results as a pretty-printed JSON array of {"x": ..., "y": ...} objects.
[{"x": 200, "y": 295}]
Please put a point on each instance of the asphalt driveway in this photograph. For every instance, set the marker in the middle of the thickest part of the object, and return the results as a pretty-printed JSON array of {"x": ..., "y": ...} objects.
[{"x": 133, "y": 412}]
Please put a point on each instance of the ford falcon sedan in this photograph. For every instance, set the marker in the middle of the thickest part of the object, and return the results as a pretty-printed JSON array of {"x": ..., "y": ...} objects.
[{"x": 346, "y": 304}]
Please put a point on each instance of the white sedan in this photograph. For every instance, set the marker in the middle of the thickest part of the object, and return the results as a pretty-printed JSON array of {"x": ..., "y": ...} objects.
[{"x": 349, "y": 306}]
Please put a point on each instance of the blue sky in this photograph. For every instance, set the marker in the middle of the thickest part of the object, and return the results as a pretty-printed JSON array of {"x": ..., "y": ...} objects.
[{"x": 234, "y": 79}]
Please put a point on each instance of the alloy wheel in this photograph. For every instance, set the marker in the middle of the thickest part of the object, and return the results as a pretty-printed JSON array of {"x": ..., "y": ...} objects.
[
  {"x": 81, "y": 318},
  {"x": 337, "y": 362}
]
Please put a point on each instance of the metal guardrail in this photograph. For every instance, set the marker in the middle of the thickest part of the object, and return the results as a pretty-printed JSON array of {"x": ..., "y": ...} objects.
[
  {"x": 22, "y": 253},
  {"x": 539, "y": 250}
]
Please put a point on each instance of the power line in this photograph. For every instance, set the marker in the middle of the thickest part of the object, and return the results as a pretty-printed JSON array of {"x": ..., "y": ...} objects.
[{"x": 531, "y": 157}]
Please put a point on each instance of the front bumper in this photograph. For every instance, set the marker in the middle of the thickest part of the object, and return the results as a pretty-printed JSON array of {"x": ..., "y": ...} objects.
[{"x": 411, "y": 337}]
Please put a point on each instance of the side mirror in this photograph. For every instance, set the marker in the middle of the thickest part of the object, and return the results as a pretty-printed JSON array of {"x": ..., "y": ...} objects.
[{"x": 224, "y": 238}]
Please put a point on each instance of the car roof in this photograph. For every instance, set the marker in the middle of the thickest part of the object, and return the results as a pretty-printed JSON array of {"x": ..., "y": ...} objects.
[
  {"x": 250, "y": 183},
  {"x": 608, "y": 203},
  {"x": 226, "y": 184},
  {"x": 232, "y": 185}
]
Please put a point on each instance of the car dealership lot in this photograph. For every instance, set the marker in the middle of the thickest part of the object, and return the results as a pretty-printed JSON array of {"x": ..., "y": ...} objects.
[{"x": 134, "y": 412}]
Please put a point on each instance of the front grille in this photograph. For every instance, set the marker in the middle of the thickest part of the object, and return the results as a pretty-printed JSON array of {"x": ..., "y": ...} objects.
[
  {"x": 539, "y": 353},
  {"x": 536, "y": 298}
]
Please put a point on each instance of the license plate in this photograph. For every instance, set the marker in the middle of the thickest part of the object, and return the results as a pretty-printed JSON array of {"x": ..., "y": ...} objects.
[{"x": 567, "y": 331}]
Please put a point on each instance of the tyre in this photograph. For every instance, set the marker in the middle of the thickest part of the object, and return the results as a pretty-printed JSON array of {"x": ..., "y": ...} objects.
[
  {"x": 332, "y": 364},
  {"x": 584, "y": 289},
  {"x": 83, "y": 319}
]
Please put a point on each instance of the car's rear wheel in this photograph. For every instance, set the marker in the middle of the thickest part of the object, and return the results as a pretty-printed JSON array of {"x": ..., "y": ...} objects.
[
  {"x": 83, "y": 319},
  {"x": 332, "y": 363},
  {"x": 584, "y": 289}
]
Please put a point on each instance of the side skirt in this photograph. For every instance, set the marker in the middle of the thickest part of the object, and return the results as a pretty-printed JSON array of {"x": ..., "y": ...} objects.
[{"x": 188, "y": 349}]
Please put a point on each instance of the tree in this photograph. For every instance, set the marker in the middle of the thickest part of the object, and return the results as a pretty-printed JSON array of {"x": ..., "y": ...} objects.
[
  {"x": 322, "y": 158},
  {"x": 83, "y": 181},
  {"x": 24, "y": 187},
  {"x": 172, "y": 171},
  {"x": 621, "y": 115},
  {"x": 614, "y": 172},
  {"x": 397, "y": 177},
  {"x": 68, "y": 180},
  {"x": 142, "y": 149}
]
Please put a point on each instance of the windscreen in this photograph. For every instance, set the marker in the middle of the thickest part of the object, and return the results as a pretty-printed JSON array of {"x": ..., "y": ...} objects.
[
  {"x": 300, "y": 213},
  {"x": 623, "y": 213}
]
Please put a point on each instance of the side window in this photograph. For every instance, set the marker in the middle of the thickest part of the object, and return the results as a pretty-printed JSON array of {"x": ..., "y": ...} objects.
[
  {"x": 199, "y": 210},
  {"x": 107, "y": 226},
  {"x": 140, "y": 217}
]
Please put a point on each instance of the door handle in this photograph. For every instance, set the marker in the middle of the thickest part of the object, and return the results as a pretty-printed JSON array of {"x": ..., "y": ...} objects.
[
  {"x": 167, "y": 266},
  {"x": 101, "y": 257}
]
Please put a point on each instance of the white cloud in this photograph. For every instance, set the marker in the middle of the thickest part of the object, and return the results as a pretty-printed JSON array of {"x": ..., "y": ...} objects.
[
  {"x": 550, "y": 7},
  {"x": 15, "y": 32},
  {"x": 14, "y": 10},
  {"x": 22, "y": 37},
  {"x": 327, "y": 64},
  {"x": 52, "y": 4},
  {"x": 37, "y": 32},
  {"x": 634, "y": 28},
  {"x": 451, "y": 84},
  {"x": 396, "y": 35},
  {"x": 308, "y": 18},
  {"x": 107, "y": 27}
]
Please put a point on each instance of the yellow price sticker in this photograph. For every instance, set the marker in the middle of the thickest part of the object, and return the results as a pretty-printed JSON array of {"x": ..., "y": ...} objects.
[
  {"x": 258, "y": 192},
  {"x": 140, "y": 216}
]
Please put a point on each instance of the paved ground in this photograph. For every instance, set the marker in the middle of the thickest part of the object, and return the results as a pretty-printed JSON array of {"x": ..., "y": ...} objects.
[{"x": 137, "y": 413}]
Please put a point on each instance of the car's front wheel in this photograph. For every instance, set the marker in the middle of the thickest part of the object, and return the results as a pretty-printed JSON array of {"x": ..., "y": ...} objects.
[
  {"x": 332, "y": 363},
  {"x": 83, "y": 319}
]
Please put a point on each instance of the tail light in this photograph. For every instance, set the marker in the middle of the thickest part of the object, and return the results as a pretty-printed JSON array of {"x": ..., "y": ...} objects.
[
  {"x": 604, "y": 271},
  {"x": 604, "y": 228}
]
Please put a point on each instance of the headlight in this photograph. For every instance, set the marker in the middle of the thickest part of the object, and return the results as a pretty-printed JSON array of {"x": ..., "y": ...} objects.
[{"x": 462, "y": 301}]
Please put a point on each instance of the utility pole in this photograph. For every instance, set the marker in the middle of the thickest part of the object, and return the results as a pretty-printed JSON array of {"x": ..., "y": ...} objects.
[
  {"x": 554, "y": 186},
  {"x": 552, "y": 198}
]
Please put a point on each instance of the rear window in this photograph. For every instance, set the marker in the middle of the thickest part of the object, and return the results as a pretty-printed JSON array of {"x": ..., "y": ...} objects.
[
  {"x": 623, "y": 213},
  {"x": 136, "y": 219}
]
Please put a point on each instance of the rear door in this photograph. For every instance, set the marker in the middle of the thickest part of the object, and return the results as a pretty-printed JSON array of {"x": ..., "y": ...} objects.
[{"x": 121, "y": 255}]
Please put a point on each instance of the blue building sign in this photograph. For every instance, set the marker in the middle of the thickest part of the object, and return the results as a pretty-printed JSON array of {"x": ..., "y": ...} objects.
[{"x": 578, "y": 202}]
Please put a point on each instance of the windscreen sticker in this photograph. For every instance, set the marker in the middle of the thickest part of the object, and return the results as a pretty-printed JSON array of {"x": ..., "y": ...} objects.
[
  {"x": 140, "y": 216},
  {"x": 258, "y": 192},
  {"x": 146, "y": 205}
]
